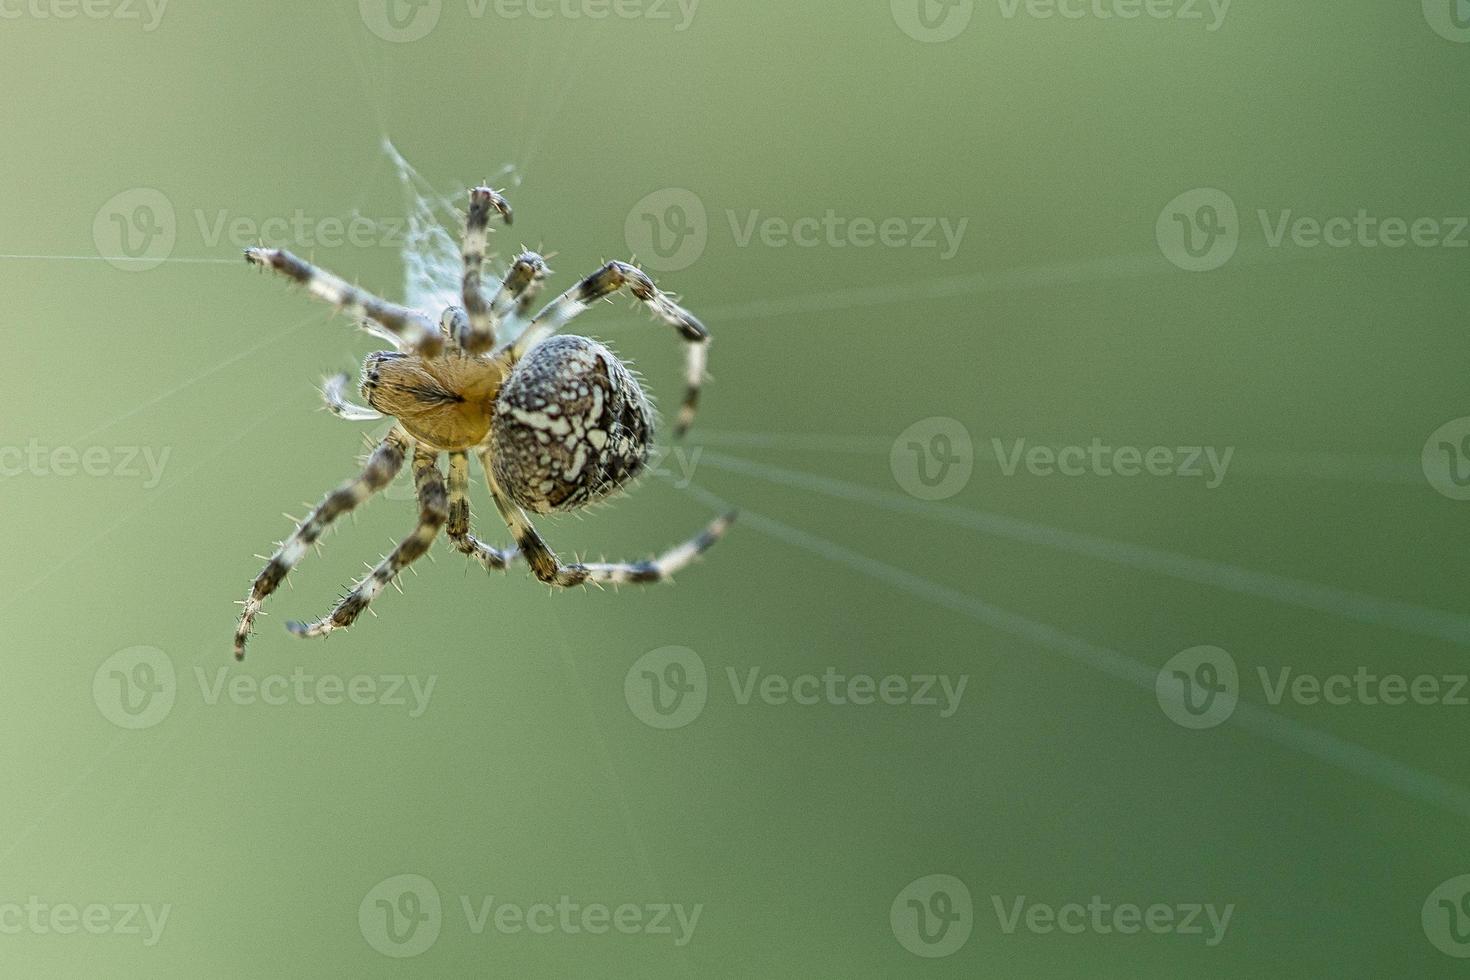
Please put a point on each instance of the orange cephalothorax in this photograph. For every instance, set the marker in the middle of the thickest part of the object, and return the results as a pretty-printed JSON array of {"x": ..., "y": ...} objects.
[{"x": 446, "y": 402}]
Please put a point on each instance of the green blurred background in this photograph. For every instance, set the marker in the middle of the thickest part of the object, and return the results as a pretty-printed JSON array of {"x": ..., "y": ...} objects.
[{"x": 534, "y": 772}]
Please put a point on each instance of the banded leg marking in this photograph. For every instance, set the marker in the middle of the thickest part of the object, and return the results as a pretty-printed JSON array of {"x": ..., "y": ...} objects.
[
  {"x": 479, "y": 335},
  {"x": 553, "y": 571},
  {"x": 607, "y": 280},
  {"x": 458, "y": 528},
  {"x": 400, "y": 325},
  {"x": 433, "y": 512},
  {"x": 382, "y": 466}
]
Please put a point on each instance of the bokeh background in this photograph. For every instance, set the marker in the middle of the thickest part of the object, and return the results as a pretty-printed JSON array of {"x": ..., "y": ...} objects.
[{"x": 1115, "y": 184}]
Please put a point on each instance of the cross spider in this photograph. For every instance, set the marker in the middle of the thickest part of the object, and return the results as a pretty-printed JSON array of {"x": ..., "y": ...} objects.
[{"x": 558, "y": 422}]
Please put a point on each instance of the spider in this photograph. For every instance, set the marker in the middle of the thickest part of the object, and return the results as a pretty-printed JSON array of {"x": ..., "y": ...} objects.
[{"x": 558, "y": 422}]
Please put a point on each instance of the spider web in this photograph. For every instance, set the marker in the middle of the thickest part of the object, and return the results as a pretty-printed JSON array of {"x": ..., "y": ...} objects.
[{"x": 432, "y": 265}]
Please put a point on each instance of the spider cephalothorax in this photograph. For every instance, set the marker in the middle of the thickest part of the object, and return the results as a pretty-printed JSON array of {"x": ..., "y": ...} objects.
[{"x": 558, "y": 422}]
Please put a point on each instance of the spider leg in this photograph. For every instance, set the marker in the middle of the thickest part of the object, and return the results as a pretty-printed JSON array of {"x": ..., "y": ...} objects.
[
  {"x": 518, "y": 290},
  {"x": 550, "y": 569},
  {"x": 478, "y": 335},
  {"x": 399, "y": 324},
  {"x": 382, "y": 466},
  {"x": 334, "y": 393},
  {"x": 509, "y": 308},
  {"x": 433, "y": 512},
  {"x": 458, "y": 527},
  {"x": 607, "y": 280}
]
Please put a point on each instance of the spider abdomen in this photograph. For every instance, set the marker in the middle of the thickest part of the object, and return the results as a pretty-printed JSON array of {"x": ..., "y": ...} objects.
[{"x": 571, "y": 425}]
